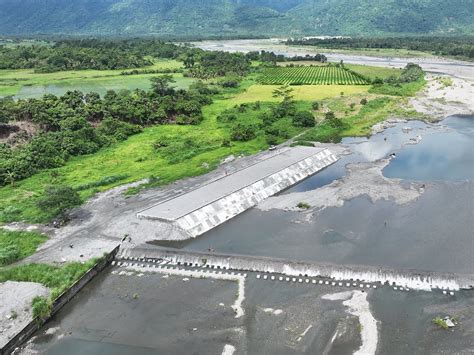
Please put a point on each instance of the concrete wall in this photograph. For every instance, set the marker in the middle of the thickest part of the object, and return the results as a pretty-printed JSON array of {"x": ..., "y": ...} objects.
[
  {"x": 419, "y": 280},
  {"x": 205, "y": 218},
  {"x": 59, "y": 303}
]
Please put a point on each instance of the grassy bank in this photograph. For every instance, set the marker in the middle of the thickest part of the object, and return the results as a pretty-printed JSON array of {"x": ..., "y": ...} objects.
[
  {"x": 404, "y": 90},
  {"x": 15, "y": 245},
  {"x": 57, "y": 278},
  {"x": 356, "y": 122}
]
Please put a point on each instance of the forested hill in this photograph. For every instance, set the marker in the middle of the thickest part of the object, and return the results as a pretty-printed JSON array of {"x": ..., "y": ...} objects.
[{"x": 235, "y": 17}]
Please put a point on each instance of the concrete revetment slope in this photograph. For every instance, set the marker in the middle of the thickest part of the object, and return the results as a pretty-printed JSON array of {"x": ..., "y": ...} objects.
[{"x": 202, "y": 209}]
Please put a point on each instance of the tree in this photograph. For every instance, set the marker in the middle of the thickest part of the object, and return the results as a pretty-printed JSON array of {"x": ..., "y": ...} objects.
[
  {"x": 333, "y": 120},
  {"x": 243, "y": 132},
  {"x": 189, "y": 61},
  {"x": 304, "y": 119},
  {"x": 161, "y": 85},
  {"x": 59, "y": 199},
  {"x": 285, "y": 92}
]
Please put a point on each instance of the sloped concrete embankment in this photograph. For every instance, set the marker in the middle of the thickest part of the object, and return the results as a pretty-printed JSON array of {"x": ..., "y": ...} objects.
[
  {"x": 211, "y": 215},
  {"x": 410, "y": 279}
]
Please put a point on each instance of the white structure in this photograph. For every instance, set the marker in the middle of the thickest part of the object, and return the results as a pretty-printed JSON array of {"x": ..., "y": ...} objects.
[{"x": 202, "y": 209}]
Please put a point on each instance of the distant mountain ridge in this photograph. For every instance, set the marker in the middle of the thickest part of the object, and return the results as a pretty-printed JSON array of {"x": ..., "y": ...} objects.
[{"x": 236, "y": 17}]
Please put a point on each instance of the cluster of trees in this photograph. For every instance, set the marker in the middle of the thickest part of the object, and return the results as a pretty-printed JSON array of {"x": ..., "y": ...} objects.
[
  {"x": 46, "y": 59},
  {"x": 206, "y": 65},
  {"x": 78, "y": 123},
  {"x": 271, "y": 57},
  {"x": 447, "y": 46},
  {"x": 272, "y": 122},
  {"x": 411, "y": 73},
  {"x": 87, "y": 54}
]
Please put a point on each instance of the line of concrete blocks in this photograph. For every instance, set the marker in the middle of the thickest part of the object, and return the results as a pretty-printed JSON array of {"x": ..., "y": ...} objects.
[
  {"x": 174, "y": 267},
  {"x": 314, "y": 281},
  {"x": 415, "y": 280},
  {"x": 168, "y": 265},
  {"x": 220, "y": 211}
]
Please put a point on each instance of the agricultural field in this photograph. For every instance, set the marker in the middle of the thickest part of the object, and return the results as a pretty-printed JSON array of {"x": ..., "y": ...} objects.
[
  {"x": 309, "y": 75},
  {"x": 264, "y": 93}
]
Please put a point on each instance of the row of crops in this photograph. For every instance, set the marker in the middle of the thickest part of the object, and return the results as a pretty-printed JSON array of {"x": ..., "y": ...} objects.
[{"x": 322, "y": 75}]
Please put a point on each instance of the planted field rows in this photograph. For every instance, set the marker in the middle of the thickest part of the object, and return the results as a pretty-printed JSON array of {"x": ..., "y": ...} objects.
[{"x": 310, "y": 76}]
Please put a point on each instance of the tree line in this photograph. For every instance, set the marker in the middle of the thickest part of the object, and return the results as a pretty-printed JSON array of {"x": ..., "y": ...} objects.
[
  {"x": 447, "y": 46},
  {"x": 132, "y": 54}
]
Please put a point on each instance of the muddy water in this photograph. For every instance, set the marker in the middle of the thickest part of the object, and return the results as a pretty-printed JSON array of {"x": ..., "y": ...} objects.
[
  {"x": 381, "y": 234},
  {"x": 152, "y": 314}
]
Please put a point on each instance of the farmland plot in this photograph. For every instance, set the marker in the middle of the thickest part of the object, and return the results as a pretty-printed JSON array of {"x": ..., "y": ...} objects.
[{"x": 307, "y": 75}]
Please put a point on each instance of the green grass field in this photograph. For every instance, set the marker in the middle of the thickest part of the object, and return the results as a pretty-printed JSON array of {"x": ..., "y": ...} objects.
[
  {"x": 18, "y": 245},
  {"x": 372, "y": 72},
  {"x": 309, "y": 75},
  {"x": 264, "y": 93},
  {"x": 25, "y": 83}
]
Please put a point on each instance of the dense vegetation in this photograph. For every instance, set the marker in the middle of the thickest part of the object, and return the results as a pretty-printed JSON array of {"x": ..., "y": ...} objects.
[
  {"x": 311, "y": 75},
  {"x": 69, "y": 55},
  {"x": 77, "y": 123},
  {"x": 234, "y": 17},
  {"x": 446, "y": 46},
  {"x": 86, "y": 54},
  {"x": 410, "y": 80}
]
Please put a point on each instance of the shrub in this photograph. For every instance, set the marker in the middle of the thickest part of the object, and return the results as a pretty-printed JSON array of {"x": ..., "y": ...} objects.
[
  {"x": 243, "y": 132},
  {"x": 226, "y": 117},
  {"x": 9, "y": 254},
  {"x": 315, "y": 106},
  {"x": 271, "y": 139},
  {"x": 106, "y": 180},
  {"x": 440, "y": 322},
  {"x": 333, "y": 120},
  {"x": 59, "y": 199},
  {"x": 41, "y": 308},
  {"x": 9, "y": 213},
  {"x": 304, "y": 119},
  {"x": 303, "y": 205},
  {"x": 363, "y": 101}
]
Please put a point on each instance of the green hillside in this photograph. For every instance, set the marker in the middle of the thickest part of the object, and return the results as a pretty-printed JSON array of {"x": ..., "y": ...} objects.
[{"x": 235, "y": 17}]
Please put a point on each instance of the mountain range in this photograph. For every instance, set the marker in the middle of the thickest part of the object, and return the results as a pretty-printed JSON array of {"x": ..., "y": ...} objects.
[{"x": 226, "y": 18}]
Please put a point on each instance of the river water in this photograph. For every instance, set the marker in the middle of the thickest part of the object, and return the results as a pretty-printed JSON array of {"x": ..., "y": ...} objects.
[
  {"x": 381, "y": 234},
  {"x": 154, "y": 314}
]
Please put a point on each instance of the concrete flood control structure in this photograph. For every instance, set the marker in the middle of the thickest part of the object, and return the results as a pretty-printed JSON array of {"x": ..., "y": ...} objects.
[
  {"x": 202, "y": 209},
  {"x": 297, "y": 271}
]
